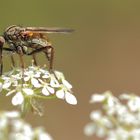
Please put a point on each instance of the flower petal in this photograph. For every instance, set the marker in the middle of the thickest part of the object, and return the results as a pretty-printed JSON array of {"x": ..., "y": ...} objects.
[
  {"x": 70, "y": 98},
  {"x": 50, "y": 89},
  {"x": 59, "y": 75},
  {"x": 54, "y": 82},
  {"x": 60, "y": 94},
  {"x": 26, "y": 78},
  {"x": 67, "y": 84},
  {"x": 35, "y": 82},
  {"x": 97, "y": 98},
  {"x": 17, "y": 99},
  {"x": 37, "y": 74},
  {"x": 45, "y": 91},
  {"x": 90, "y": 129},
  {"x": 6, "y": 84},
  {"x": 12, "y": 114},
  {"x": 44, "y": 136},
  {"x": 1, "y": 86},
  {"x": 46, "y": 75}
]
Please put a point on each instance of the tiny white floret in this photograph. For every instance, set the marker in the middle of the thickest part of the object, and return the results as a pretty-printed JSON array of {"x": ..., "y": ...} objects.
[
  {"x": 17, "y": 99},
  {"x": 70, "y": 98}
]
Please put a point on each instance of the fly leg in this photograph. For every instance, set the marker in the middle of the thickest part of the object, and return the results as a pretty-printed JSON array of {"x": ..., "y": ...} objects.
[
  {"x": 34, "y": 59},
  {"x": 20, "y": 53},
  {"x": 42, "y": 49},
  {"x": 49, "y": 52},
  {"x": 2, "y": 41},
  {"x": 1, "y": 62},
  {"x": 12, "y": 60}
]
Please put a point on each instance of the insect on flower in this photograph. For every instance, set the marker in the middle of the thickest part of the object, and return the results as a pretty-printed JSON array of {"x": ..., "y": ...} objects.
[{"x": 28, "y": 41}]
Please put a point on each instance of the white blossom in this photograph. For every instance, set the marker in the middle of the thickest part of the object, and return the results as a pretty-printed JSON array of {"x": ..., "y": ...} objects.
[
  {"x": 118, "y": 118},
  {"x": 18, "y": 99},
  {"x": 60, "y": 94},
  {"x": 33, "y": 83},
  {"x": 90, "y": 129},
  {"x": 13, "y": 127},
  {"x": 97, "y": 98},
  {"x": 28, "y": 91},
  {"x": 70, "y": 98},
  {"x": 96, "y": 115},
  {"x": 134, "y": 104}
]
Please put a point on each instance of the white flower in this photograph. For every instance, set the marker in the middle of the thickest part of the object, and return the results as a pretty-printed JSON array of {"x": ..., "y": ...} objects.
[
  {"x": 90, "y": 129},
  {"x": 54, "y": 82},
  {"x": 46, "y": 74},
  {"x": 96, "y": 115},
  {"x": 27, "y": 130},
  {"x": 125, "y": 96},
  {"x": 1, "y": 86},
  {"x": 44, "y": 136},
  {"x": 106, "y": 122},
  {"x": 17, "y": 125},
  {"x": 36, "y": 82},
  {"x": 111, "y": 101},
  {"x": 46, "y": 88},
  {"x": 3, "y": 122},
  {"x": 60, "y": 94},
  {"x": 8, "y": 81},
  {"x": 70, "y": 98},
  {"x": 67, "y": 84},
  {"x": 18, "y": 129},
  {"x": 63, "y": 93},
  {"x": 12, "y": 114},
  {"x": 28, "y": 91},
  {"x": 101, "y": 132},
  {"x": 30, "y": 75},
  {"x": 59, "y": 75},
  {"x": 134, "y": 104},
  {"x": 18, "y": 99},
  {"x": 97, "y": 98},
  {"x": 118, "y": 119}
]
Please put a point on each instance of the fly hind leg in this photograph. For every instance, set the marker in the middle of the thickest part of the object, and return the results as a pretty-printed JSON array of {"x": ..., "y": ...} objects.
[
  {"x": 49, "y": 52},
  {"x": 34, "y": 59}
]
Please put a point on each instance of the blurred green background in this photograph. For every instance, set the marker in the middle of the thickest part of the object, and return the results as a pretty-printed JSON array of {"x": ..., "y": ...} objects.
[{"x": 103, "y": 54}]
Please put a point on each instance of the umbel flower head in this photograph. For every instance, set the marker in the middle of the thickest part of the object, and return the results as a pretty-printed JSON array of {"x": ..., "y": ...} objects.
[
  {"x": 12, "y": 127},
  {"x": 35, "y": 83},
  {"x": 117, "y": 119}
]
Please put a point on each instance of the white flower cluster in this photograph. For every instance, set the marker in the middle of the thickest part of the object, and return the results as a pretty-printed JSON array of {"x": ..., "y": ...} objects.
[
  {"x": 119, "y": 118},
  {"x": 12, "y": 127},
  {"x": 35, "y": 82}
]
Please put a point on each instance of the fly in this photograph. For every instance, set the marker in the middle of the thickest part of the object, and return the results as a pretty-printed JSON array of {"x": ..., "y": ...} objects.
[{"x": 28, "y": 41}]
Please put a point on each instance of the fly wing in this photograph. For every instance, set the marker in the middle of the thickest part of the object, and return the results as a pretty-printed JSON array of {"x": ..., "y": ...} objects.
[{"x": 48, "y": 30}]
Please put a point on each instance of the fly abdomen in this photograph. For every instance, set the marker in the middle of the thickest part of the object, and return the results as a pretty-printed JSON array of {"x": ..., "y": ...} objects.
[{"x": 40, "y": 42}]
